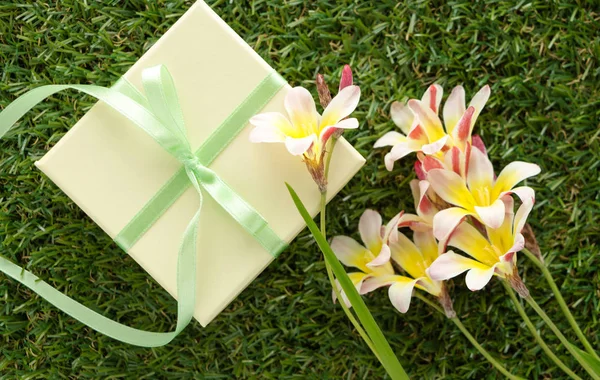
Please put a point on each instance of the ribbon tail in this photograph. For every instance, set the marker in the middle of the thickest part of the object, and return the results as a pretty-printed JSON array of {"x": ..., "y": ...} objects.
[
  {"x": 246, "y": 216},
  {"x": 186, "y": 291},
  {"x": 186, "y": 286}
]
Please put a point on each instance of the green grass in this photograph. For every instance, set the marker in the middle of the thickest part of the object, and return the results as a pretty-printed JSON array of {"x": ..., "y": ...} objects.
[{"x": 541, "y": 59}]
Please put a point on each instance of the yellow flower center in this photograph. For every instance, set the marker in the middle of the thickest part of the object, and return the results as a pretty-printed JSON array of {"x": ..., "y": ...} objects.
[{"x": 482, "y": 195}]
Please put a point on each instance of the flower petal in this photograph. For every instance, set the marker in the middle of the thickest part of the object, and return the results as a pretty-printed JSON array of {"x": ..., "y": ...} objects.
[
  {"x": 478, "y": 143},
  {"x": 428, "y": 119},
  {"x": 327, "y": 132},
  {"x": 454, "y": 108},
  {"x": 299, "y": 146},
  {"x": 425, "y": 208},
  {"x": 425, "y": 242},
  {"x": 435, "y": 146},
  {"x": 503, "y": 237},
  {"x": 406, "y": 254},
  {"x": 389, "y": 162},
  {"x": 464, "y": 160},
  {"x": 369, "y": 227},
  {"x": 400, "y": 293},
  {"x": 415, "y": 190},
  {"x": 349, "y": 123},
  {"x": 462, "y": 132},
  {"x": 477, "y": 278},
  {"x": 417, "y": 135},
  {"x": 469, "y": 240},
  {"x": 493, "y": 215},
  {"x": 381, "y": 259},
  {"x": 399, "y": 151},
  {"x": 390, "y": 139},
  {"x": 481, "y": 171},
  {"x": 402, "y": 116},
  {"x": 478, "y": 102},
  {"x": 342, "y": 105},
  {"x": 433, "y": 97},
  {"x": 266, "y": 134},
  {"x": 523, "y": 192},
  {"x": 521, "y": 215},
  {"x": 376, "y": 282},
  {"x": 518, "y": 245},
  {"x": 512, "y": 174},
  {"x": 430, "y": 162},
  {"x": 390, "y": 232},
  {"x": 452, "y": 159},
  {"x": 450, "y": 265},
  {"x": 273, "y": 120},
  {"x": 414, "y": 222},
  {"x": 301, "y": 108},
  {"x": 445, "y": 221},
  {"x": 349, "y": 252},
  {"x": 419, "y": 170},
  {"x": 450, "y": 187}
]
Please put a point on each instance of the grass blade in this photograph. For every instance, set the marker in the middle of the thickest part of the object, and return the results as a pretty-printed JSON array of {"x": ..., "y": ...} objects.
[
  {"x": 592, "y": 362},
  {"x": 386, "y": 356}
]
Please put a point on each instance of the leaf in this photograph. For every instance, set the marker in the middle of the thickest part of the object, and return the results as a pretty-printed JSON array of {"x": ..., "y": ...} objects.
[
  {"x": 386, "y": 355},
  {"x": 592, "y": 362}
]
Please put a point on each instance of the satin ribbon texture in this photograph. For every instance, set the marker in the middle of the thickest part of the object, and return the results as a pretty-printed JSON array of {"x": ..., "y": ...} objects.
[{"x": 159, "y": 114}]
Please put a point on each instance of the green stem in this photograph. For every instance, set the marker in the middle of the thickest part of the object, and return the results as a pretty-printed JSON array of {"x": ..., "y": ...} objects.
[
  {"x": 483, "y": 352},
  {"x": 349, "y": 313},
  {"x": 562, "y": 338},
  {"x": 470, "y": 337},
  {"x": 561, "y": 302},
  {"x": 323, "y": 225},
  {"x": 535, "y": 333},
  {"x": 328, "y": 162},
  {"x": 429, "y": 302}
]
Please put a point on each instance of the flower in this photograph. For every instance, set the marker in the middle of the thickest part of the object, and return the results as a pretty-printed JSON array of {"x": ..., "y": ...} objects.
[
  {"x": 423, "y": 129},
  {"x": 414, "y": 258},
  {"x": 481, "y": 195},
  {"x": 374, "y": 259},
  {"x": 495, "y": 254},
  {"x": 306, "y": 132}
]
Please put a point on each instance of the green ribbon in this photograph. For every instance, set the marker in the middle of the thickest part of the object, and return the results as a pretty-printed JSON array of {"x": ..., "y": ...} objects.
[{"x": 159, "y": 114}]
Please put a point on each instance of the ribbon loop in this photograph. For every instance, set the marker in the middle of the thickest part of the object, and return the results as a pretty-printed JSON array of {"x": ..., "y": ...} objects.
[{"x": 162, "y": 97}]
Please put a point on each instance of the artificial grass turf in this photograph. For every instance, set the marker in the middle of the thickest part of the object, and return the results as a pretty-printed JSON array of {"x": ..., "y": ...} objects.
[{"x": 541, "y": 60}]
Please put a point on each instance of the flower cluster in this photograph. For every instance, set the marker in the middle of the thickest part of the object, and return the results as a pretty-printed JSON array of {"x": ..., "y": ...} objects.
[{"x": 460, "y": 203}]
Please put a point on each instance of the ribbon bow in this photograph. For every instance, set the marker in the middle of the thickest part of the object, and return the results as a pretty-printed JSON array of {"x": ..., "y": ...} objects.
[{"x": 159, "y": 114}]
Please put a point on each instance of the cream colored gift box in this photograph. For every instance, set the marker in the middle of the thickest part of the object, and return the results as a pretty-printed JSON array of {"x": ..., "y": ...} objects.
[{"x": 111, "y": 168}]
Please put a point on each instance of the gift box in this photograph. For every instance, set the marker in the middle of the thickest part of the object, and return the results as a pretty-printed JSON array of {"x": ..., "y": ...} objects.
[{"x": 114, "y": 171}]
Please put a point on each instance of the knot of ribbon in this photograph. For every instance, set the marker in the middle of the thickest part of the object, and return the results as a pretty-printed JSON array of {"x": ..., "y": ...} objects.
[
  {"x": 159, "y": 114},
  {"x": 191, "y": 162}
]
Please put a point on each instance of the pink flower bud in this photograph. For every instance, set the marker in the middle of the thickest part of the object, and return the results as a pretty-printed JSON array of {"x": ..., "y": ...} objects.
[{"x": 346, "y": 79}]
